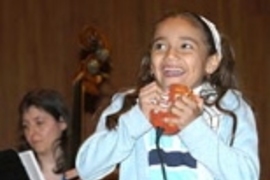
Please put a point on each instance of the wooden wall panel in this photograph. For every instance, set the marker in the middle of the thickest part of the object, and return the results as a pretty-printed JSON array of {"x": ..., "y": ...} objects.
[{"x": 38, "y": 48}]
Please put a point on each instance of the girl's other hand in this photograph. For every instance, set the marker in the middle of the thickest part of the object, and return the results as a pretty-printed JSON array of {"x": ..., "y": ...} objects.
[
  {"x": 151, "y": 97},
  {"x": 186, "y": 110}
]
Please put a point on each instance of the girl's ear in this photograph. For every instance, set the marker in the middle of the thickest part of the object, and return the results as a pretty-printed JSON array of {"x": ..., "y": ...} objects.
[{"x": 212, "y": 64}]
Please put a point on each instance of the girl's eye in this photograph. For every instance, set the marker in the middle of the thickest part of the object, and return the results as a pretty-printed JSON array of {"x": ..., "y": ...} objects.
[
  {"x": 186, "y": 46},
  {"x": 158, "y": 46}
]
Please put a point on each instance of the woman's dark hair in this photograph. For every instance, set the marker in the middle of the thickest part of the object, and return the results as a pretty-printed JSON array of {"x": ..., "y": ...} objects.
[
  {"x": 222, "y": 79},
  {"x": 53, "y": 103}
]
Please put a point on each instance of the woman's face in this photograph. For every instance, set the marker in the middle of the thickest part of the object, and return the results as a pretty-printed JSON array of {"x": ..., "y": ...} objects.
[
  {"x": 179, "y": 53},
  {"x": 41, "y": 129}
]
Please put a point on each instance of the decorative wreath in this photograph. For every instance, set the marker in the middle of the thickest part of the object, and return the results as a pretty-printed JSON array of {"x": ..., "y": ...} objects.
[{"x": 95, "y": 61}]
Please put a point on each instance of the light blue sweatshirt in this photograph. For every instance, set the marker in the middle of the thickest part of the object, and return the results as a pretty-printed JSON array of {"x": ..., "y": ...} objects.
[{"x": 207, "y": 140}]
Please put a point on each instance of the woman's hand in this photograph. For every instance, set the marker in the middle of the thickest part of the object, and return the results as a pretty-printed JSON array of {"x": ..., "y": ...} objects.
[{"x": 72, "y": 174}]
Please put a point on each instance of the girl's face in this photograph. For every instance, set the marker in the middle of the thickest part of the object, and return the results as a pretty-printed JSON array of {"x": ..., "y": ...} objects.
[
  {"x": 179, "y": 53},
  {"x": 41, "y": 129}
]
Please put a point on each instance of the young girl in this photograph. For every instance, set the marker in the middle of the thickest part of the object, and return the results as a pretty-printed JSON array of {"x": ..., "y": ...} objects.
[
  {"x": 217, "y": 137},
  {"x": 43, "y": 124}
]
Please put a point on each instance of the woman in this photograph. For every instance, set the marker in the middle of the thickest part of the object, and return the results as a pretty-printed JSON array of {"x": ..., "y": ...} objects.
[{"x": 43, "y": 122}]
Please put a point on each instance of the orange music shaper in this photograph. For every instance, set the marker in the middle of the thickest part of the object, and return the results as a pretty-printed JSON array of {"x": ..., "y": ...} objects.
[{"x": 158, "y": 118}]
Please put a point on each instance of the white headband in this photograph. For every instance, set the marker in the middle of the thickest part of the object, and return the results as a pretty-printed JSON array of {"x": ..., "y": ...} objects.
[{"x": 215, "y": 34}]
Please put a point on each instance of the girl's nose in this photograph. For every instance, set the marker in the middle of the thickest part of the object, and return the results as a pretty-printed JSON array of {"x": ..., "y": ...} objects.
[{"x": 171, "y": 54}]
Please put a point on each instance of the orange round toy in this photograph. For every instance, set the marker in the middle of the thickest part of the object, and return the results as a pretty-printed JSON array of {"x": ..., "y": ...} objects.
[{"x": 157, "y": 118}]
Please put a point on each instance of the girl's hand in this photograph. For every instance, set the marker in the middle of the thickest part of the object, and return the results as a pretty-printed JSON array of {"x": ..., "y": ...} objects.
[
  {"x": 186, "y": 110},
  {"x": 151, "y": 97}
]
